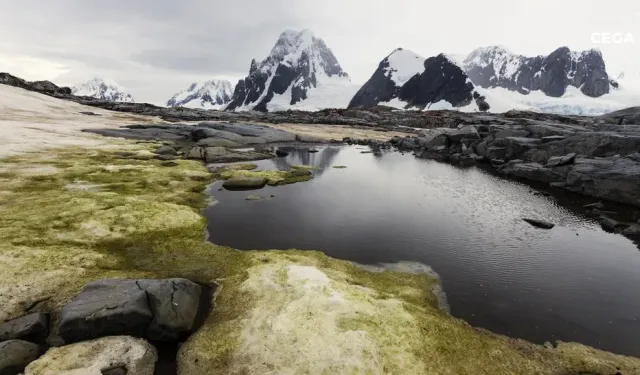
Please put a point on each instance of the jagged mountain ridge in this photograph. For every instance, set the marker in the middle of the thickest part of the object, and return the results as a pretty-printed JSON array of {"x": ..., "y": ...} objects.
[
  {"x": 102, "y": 89},
  {"x": 418, "y": 83},
  {"x": 212, "y": 94},
  {"x": 298, "y": 63},
  {"x": 494, "y": 66}
]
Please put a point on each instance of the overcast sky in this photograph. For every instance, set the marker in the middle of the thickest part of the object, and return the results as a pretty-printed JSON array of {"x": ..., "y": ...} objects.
[{"x": 157, "y": 47}]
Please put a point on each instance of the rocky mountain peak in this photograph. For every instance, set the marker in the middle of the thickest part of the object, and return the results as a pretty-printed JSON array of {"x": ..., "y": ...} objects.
[
  {"x": 103, "y": 89},
  {"x": 212, "y": 94},
  {"x": 298, "y": 62}
]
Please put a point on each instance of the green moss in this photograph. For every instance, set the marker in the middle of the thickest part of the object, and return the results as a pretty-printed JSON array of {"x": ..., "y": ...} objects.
[
  {"x": 274, "y": 178},
  {"x": 305, "y": 167}
]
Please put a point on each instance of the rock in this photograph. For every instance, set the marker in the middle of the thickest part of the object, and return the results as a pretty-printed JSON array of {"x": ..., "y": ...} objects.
[
  {"x": 598, "y": 205},
  {"x": 632, "y": 230},
  {"x": 466, "y": 132},
  {"x": 166, "y": 150},
  {"x": 366, "y": 152},
  {"x": 15, "y": 355},
  {"x": 204, "y": 153},
  {"x": 533, "y": 172},
  {"x": 281, "y": 153},
  {"x": 511, "y": 133},
  {"x": 553, "y": 138},
  {"x": 609, "y": 224},
  {"x": 614, "y": 180},
  {"x": 106, "y": 308},
  {"x": 518, "y": 146},
  {"x": 218, "y": 142},
  {"x": 174, "y": 306},
  {"x": 137, "y": 356},
  {"x": 158, "y": 309},
  {"x": 558, "y": 161},
  {"x": 33, "y": 327},
  {"x": 496, "y": 153},
  {"x": 482, "y": 148},
  {"x": 165, "y": 157},
  {"x": 244, "y": 183},
  {"x": 121, "y": 370},
  {"x": 169, "y": 164},
  {"x": 440, "y": 140},
  {"x": 539, "y": 223},
  {"x": 254, "y": 198},
  {"x": 313, "y": 151}
]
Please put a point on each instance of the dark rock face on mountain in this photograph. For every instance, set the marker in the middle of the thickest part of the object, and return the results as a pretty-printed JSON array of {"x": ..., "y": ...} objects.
[
  {"x": 418, "y": 82},
  {"x": 44, "y": 87},
  {"x": 296, "y": 62},
  {"x": 496, "y": 67},
  {"x": 209, "y": 94}
]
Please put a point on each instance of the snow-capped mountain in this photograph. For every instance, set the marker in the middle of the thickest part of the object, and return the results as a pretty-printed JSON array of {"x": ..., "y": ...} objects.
[
  {"x": 491, "y": 67},
  {"x": 213, "y": 94},
  {"x": 104, "y": 90},
  {"x": 405, "y": 79},
  {"x": 301, "y": 72}
]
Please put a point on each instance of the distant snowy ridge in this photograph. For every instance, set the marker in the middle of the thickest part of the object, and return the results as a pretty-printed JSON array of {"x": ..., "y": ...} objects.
[
  {"x": 212, "y": 94},
  {"x": 495, "y": 66},
  {"x": 301, "y": 72},
  {"x": 104, "y": 90},
  {"x": 407, "y": 80}
]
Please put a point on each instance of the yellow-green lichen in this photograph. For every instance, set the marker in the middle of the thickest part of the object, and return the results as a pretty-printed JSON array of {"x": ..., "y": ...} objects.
[
  {"x": 79, "y": 215},
  {"x": 273, "y": 178}
]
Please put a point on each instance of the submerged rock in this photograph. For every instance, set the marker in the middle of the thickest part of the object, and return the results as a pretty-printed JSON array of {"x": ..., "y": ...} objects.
[
  {"x": 281, "y": 153},
  {"x": 15, "y": 355},
  {"x": 609, "y": 224},
  {"x": 92, "y": 357},
  {"x": 539, "y": 223}
]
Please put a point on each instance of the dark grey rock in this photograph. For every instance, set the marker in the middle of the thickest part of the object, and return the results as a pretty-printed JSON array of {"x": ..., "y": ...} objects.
[
  {"x": 169, "y": 164},
  {"x": 559, "y": 161},
  {"x": 610, "y": 224},
  {"x": 598, "y": 205},
  {"x": 106, "y": 308},
  {"x": 166, "y": 150},
  {"x": 632, "y": 230},
  {"x": 115, "y": 371},
  {"x": 165, "y": 157},
  {"x": 15, "y": 355},
  {"x": 173, "y": 304},
  {"x": 533, "y": 172},
  {"x": 539, "y": 223},
  {"x": 466, "y": 132},
  {"x": 496, "y": 153},
  {"x": 33, "y": 327},
  {"x": 553, "y": 138},
  {"x": 281, "y": 153},
  {"x": 244, "y": 183}
]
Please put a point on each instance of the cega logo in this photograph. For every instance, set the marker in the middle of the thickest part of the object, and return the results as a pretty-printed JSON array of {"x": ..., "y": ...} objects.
[{"x": 612, "y": 38}]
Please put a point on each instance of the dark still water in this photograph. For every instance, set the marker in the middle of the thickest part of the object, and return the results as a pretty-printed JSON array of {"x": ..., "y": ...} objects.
[{"x": 572, "y": 283}]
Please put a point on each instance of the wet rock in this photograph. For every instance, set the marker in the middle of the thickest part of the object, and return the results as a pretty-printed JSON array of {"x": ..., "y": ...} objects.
[
  {"x": 632, "y": 230},
  {"x": 558, "y": 161},
  {"x": 32, "y": 327},
  {"x": 615, "y": 180},
  {"x": 496, "y": 153},
  {"x": 598, "y": 205},
  {"x": 532, "y": 171},
  {"x": 218, "y": 142},
  {"x": 254, "y": 198},
  {"x": 158, "y": 309},
  {"x": 553, "y": 138},
  {"x": 609, "y": 224},
  {"x": 244, "y": 183},
  {"x": 518, "y": 146},
  {"x": 166, "y": 150},
  {"x": 281, "y": 153},
  {"x": 15, "y": 355},
  {"x": 466, "y": 132},
  {"x": 313, "y": 151},
  {"x": 539, "y": 223},
  {"x": 136, "y": 355}
]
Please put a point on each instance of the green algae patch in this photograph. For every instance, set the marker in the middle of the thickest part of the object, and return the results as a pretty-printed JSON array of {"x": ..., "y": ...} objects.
[
  {"x": 76, "y": 215},
  {"x": 305, "y": 167},
  {"x": 274, "y": 178}
]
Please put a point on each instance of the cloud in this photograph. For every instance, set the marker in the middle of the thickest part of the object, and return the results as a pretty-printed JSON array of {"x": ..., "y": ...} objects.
[{"x": 157, "y": 47}]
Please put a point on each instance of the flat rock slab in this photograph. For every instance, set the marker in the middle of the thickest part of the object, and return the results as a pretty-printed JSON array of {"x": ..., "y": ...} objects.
[
  {"x": 539, "y": 223},
  {"x": 161, "y": 310},
  {"x": 15, "y": 355},
  {"x": 32, "y": 327},
  {"x": 94, "y": 357}
]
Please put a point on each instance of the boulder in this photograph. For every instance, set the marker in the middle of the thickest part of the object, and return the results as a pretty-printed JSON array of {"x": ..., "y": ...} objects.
[
  {"x": 539, "y": 223},
  {"x": 204, "y": 153},
  {"x": 94, "y": 357},
  {"x": 482, "y": 148},
  {"x": 466, "y": 132},
  {"x": 437, "y": 141},
  {"x": 609, "y": 224},
  {"x": 106, "y": 308},
  {"x": 218, "y": 142},
  {"x": 281, "y": 153},
  {"x": 174, "y": 306},
  {"x": 32, "y": 327},
  {"x": 15, "y": 355},
  {"x": 632, "y": 230},
  {"x": 165, "y": 157},
  {"x": 162, "y": 310},
  {"x": 532, "y": 171},
  {"x": 559, "y": 161},
  {"x": 518, "y": 146},
  {"x": 511, "y": 133},
  {"x": 166, "y": 150},
  {"x": 244, "y": 183},
  {"x": 496, "y": 153}
]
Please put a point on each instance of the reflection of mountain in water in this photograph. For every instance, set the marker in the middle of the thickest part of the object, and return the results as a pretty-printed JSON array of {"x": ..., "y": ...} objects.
[{"x": 323, "y": 159}]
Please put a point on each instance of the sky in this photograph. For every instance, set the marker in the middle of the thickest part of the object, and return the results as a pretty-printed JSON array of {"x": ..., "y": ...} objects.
[{"x": 155, "y": 48}]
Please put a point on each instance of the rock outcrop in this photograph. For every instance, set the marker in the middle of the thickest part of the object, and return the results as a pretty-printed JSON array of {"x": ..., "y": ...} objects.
[
  {"x": 418, "y": 83},
  {"x": 496, "y": 67},
  {"x": 103, "y": 90},
  {"x": 297, "y": 64}
]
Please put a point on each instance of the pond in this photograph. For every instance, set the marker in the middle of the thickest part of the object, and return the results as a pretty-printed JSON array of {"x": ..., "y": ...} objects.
[{"x": 574, "y": 282}]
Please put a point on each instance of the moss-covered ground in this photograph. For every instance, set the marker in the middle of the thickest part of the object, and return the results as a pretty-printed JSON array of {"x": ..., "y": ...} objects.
[{"x": 73, "y": 215}]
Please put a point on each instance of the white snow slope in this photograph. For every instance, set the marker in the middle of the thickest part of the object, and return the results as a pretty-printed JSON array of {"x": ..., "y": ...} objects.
[
  {"x": 330, "y": 92},
  {"x": 403, "y": 65},
  {"x": 212, "y": 94},
  {"x": 104, "y": 90}
]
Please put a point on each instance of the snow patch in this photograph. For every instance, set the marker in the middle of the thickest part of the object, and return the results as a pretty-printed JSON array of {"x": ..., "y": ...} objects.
[
  {"x": 104, "y": 89},
  {"x": 404, "y": 65}
]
